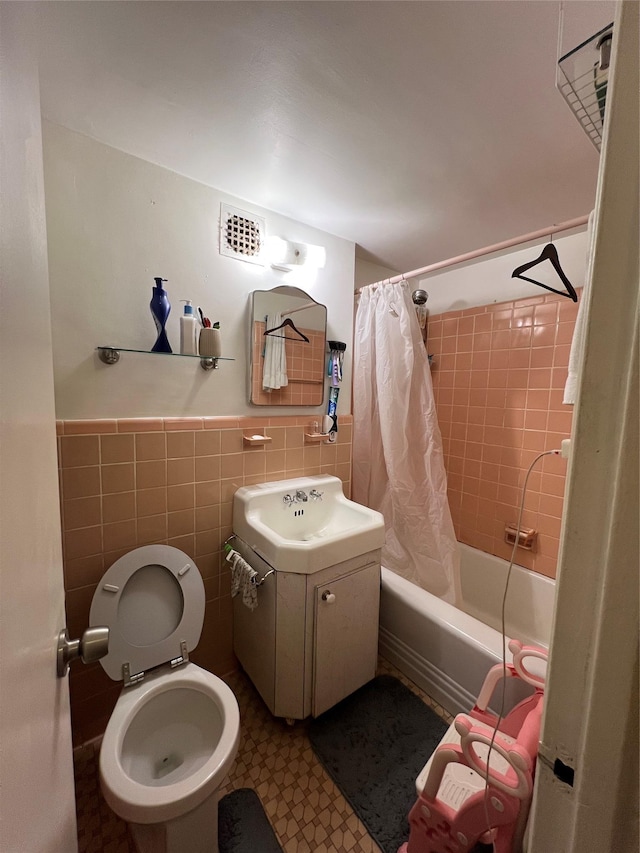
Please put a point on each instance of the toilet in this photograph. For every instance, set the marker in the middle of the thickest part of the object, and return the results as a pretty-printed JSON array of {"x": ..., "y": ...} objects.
[{"x": 173, "y": 735}]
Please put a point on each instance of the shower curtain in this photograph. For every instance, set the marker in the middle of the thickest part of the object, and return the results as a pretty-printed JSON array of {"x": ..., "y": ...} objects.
[{"x": 398, "y": 465}]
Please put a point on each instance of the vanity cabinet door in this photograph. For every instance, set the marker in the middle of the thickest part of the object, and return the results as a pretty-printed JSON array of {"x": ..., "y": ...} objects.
[{"x": 346, "y": 636}]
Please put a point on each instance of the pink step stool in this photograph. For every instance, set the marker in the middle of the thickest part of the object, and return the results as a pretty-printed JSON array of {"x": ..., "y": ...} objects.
[{"x": 455, "y": 808}]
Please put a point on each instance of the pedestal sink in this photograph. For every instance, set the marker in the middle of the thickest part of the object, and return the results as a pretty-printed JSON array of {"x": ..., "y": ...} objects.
[{"x": 305, "y": 524}]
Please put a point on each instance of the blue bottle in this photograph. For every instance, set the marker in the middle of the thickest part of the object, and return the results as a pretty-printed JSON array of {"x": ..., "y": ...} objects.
[{"x": 160, "y": 308}]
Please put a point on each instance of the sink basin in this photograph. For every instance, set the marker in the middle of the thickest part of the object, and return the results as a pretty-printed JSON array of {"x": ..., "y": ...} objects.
[{"x": 304, "y": 536}]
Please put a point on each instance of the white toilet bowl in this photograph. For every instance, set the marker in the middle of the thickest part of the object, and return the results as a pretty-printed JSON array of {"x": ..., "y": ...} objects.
[{"x": 174, "y": 732}]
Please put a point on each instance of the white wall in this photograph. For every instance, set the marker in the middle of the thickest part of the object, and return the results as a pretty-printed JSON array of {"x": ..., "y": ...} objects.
[
  {"x": 114, "y": 222},
  {"x": 488, "y": 279},
  {"x": 369, "y": 273}
]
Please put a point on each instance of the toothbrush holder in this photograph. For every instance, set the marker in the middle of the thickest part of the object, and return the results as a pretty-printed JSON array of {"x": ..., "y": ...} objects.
[{"x": 210, "y": 344}]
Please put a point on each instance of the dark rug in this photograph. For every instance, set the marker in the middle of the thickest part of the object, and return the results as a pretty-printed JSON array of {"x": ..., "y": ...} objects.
[
  {"x": 373, "y": 744},
  {"x": 243, "y": 827}
]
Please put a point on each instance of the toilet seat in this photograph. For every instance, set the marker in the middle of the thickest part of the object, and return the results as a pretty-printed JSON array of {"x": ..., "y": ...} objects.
[{"x": 152, "y": 599}]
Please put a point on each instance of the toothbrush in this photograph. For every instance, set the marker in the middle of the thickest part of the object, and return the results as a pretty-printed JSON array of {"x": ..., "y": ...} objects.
[{"x": 335, "y": 378}]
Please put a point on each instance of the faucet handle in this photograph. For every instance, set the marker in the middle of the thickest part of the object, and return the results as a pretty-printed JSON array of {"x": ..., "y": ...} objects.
[
  {"x": 316, "y": 495},
  {"x": 287, "y": 500}
]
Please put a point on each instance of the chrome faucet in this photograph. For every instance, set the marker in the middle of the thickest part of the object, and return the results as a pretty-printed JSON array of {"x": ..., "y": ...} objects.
[
  {"x": 315, "y": 495},
  {"x": 299, "y": 497}
]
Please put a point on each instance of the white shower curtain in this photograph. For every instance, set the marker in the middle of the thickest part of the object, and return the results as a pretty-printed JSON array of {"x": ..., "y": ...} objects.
[{"x": 398, "y": 465}]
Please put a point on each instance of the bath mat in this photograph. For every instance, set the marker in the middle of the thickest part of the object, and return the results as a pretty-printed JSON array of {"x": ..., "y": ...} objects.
[
  {"x": 373, "y": 744},
  {"x": 243, "y": 827}
]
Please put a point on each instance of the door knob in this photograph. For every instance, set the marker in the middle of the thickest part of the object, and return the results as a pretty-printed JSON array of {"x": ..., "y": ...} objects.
[
  {"x": 328, "y": 597},
  {"x": 93, "y": 645}
]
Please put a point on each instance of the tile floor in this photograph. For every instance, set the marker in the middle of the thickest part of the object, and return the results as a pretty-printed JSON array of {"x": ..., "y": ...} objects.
[{"x": 306, "y": 810}]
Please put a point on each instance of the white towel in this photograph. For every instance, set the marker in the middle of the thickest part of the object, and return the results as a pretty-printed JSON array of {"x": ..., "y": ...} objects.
[
  {"x": 576, "y": 353},
  {"x": 274, "y": 370},
  {"x": 243, "y": 579}
]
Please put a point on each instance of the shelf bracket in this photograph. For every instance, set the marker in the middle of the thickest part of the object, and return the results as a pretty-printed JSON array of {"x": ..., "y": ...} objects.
[{"x": 209, "y": 363}]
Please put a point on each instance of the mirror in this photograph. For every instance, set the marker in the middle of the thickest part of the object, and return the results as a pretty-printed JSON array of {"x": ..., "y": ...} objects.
[{"x": 287, "y": 345}]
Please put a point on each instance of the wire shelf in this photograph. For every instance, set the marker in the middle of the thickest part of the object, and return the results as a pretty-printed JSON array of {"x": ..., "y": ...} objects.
[{"x": 581, "y": 78}]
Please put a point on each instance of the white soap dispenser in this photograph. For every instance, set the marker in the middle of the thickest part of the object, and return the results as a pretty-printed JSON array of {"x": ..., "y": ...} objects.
[{"x": 188, "y": 327}]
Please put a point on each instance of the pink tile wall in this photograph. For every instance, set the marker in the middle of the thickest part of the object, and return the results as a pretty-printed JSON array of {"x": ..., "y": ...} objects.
[
  {"x": 126, "y": 483},
  {"x": 498, "y": 375}
]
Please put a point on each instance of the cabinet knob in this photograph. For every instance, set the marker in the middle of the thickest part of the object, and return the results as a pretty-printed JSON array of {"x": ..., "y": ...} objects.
[{"x": 328, "y": 596}]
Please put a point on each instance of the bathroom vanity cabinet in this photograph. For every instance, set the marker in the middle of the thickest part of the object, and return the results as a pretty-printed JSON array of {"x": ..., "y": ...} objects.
[{"x": 313, "y": 639}]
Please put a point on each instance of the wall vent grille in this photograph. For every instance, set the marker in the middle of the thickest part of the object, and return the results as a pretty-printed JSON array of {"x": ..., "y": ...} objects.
[{"x": 242, "y": 234}]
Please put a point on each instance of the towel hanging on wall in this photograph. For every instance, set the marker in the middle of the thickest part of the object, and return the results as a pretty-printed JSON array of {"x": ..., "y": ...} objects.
[
  {"x": 576, "y": 354},
  {"x": 274, "y": 367}
]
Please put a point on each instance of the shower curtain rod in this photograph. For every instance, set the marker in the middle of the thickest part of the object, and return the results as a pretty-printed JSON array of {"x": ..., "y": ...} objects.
[
  {"x": 301, "y": 308},
  {"x": 488, "y": 250}
]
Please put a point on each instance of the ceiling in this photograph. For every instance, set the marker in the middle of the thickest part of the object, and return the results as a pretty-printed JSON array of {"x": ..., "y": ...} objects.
[{"x": 418, "y": 130}]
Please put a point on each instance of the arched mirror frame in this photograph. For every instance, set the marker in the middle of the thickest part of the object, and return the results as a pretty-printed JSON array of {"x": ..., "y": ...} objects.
[{"x": 296, "y": 323}]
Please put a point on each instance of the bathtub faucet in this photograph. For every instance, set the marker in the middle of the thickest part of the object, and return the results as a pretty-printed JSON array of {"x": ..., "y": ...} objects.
[{"x": 301, "y": 496}]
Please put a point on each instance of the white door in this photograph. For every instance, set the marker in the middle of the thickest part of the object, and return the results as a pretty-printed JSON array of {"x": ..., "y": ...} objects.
[
  {"x": 37, "y": 811},
  {"x": 590, "y": 722}
]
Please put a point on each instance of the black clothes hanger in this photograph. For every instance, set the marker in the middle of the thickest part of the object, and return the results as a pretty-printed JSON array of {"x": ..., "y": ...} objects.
[
  {"x": 549, "y": 253},
  {"x": 291, "y": 325}
]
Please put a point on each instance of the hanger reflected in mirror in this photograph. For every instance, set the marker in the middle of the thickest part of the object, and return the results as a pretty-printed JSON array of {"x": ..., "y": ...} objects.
[
  {"x": 549, "y": 253},
  {"x": 290, "y": 324}
]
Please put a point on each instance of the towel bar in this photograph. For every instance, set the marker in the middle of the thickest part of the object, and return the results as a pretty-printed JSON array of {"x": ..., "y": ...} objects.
[{"x": 229, "y": 551}]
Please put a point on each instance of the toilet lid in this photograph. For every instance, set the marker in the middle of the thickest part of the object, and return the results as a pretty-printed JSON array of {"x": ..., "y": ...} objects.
[{"x": 152, "y": 599}]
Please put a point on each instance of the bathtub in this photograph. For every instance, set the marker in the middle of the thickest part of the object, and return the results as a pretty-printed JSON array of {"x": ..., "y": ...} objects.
[{"x": 448, "y": 651}]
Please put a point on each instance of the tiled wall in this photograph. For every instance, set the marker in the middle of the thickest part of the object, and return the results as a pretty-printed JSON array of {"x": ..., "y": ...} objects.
[
  {"x": 128, "y": 483},
  {"x": 306, "y": 362},
  {"x": 498, "y": 376}
]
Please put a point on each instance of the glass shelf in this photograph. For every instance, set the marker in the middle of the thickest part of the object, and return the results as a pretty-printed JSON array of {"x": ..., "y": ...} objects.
[{"x": 111, "y": 355}]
